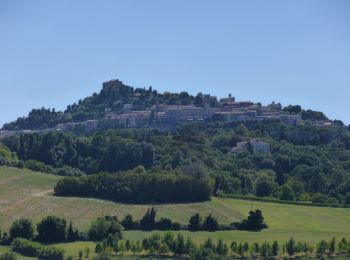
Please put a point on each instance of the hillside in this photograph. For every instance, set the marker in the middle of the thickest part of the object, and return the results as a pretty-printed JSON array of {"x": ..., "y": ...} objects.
[
  {"x": 28, "y": 194},
  {"x": 303, "y": 162},
  {"x": 118, "y": 105}
]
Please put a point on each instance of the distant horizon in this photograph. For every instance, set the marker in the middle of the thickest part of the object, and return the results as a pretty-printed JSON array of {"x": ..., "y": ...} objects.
[{"x": 54, "y": 53}]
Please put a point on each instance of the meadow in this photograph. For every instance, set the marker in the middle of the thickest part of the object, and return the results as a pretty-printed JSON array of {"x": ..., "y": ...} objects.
[{"x": 24, "y": 193}]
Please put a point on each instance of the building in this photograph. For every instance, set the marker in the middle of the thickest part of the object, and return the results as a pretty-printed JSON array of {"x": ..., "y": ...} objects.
[
  {"x": 6, "y": 133},
  {"x": 179, "y": 114},
  {"x": 256, "y": 146},
  {"x": 290, "y": 119},
  {"x": 127, "y": 108}
]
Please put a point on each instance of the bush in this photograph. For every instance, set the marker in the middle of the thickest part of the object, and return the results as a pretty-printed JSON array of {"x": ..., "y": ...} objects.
[
  {"x": 176, "y": 226},
  {"x": 38, "y": 166},
  {"x": 164, "y": 224},
  {"x": 8, "y": 256},
  {"x": 33, "y": 249}
]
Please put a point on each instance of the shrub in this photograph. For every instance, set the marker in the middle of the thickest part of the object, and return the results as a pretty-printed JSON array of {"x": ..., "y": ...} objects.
[
  {"x": 164, "y": 224},
  {"x": 8, "y": 256},
  {"x": 33, "y": 249}
]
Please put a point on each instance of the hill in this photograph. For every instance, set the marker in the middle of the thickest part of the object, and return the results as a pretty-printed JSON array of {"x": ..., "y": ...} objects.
[
  {"x": 29, "y": 194},
  {"x": 120, "y": 105}
]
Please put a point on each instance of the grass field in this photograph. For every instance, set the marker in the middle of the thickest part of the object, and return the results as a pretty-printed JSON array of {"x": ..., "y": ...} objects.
[{"x": 28, "y": 194}]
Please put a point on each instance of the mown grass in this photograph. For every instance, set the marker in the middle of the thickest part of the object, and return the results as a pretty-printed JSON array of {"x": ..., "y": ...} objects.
[{"x": 28, "y": 194}]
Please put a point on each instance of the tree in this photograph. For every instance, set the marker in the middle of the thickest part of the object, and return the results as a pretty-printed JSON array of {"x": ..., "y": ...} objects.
[
  {"x": 221, "y": 248},
  {"x": 22, "y": 228},
  {"x": 195, "y": 222},
  {"x": 102, "y": 227},
  {"x": 98, "y": 248},
  {"x": 72, "y": 235},
  {"x": 347, "y": 198},
  {"x": 265, "y": 249},
  {"x": 164, "y": 224},
  {"x": 210, "y": 223},
  {"x": 290, "y": 247},
  {"x": 275, "y": 248},
  {"x": 199, "y": 100},
  {"x": 286, "y": 193},
  {"x": 264, "y": 186},
  {"x": 128, "y": 222},
  {"x": 332, "y": 245},
  {"x": 322, "y": 247},
  {"x": 51, "y": 229},
  {"x": 254, "y": 222},
  {"x": 148, "y": 221},
  {"x": 180, "y": 245}
]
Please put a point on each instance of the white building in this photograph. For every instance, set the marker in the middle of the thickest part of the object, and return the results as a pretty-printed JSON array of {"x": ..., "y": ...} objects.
[{"x": 256, "y": 146}]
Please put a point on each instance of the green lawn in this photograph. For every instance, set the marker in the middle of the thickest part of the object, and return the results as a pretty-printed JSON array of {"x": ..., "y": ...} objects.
[{"x": 27, "y": 194}]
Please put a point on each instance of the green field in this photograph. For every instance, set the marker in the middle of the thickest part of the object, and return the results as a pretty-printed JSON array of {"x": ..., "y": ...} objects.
[{"x": 27, "y": 194}]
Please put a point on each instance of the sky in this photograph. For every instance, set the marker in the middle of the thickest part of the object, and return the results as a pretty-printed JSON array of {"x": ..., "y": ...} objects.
[{"x": 53, "y": 53}]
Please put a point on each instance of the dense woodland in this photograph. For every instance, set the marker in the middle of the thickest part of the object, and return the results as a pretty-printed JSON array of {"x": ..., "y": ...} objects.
[{"x": 306, "y": 162}]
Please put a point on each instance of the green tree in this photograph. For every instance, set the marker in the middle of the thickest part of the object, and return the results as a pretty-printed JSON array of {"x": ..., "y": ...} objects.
[
  {"x": 275, "y": 248},
  {"x": 347, "y": 198},
  {"x": 72, "y": 234},
  {"x": 210, "y": 223},
  {"x": 286, "y": 193},
  {"x": 332, "y": 245},
  {"x": 148, "y": 221},
  {"x": 22, "y": 228},
  {"x": 290, "y": 246},
  {"x": 195, "y": 222},
  {"x": 51, "y": 229},
  {"x": 322, "y": 247}
]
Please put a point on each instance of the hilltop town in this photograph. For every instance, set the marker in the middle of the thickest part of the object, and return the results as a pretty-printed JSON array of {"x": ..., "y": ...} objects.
[{"x": 129, "y": 108}]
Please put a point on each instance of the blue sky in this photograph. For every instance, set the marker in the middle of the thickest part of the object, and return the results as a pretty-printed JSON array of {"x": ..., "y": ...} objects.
[{"x": 52, "y": 53}]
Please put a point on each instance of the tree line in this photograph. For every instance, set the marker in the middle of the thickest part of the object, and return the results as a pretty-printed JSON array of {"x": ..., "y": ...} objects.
[
  {"x": 108, "y": 233},
  {"x": 170, "y": 244},
  {"x": 136, "y": 187},
  {"x": 254, "y": 222}
]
